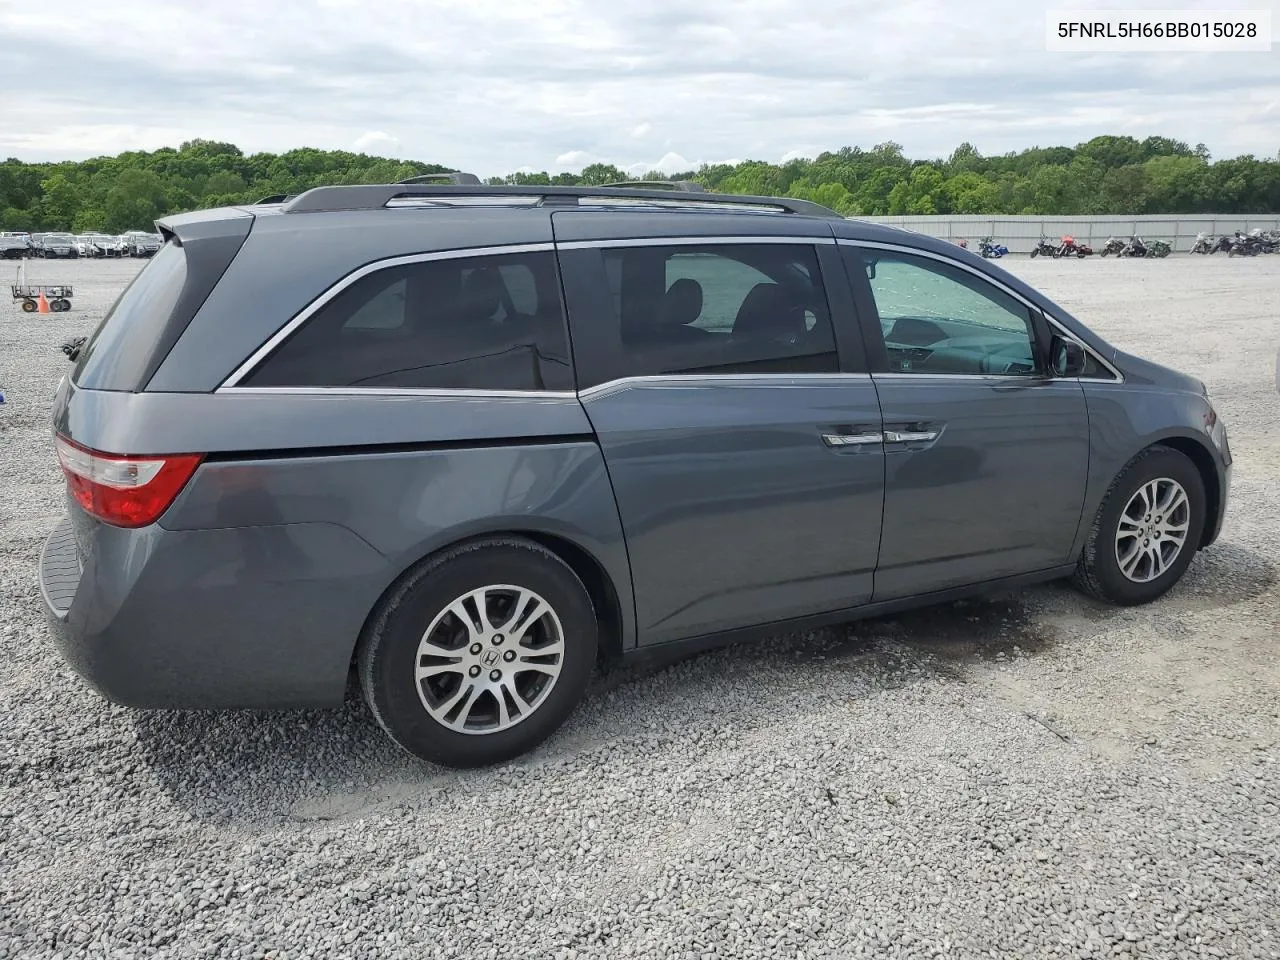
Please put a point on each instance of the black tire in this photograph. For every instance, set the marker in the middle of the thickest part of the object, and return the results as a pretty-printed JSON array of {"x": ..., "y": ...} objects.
[
  {"x": 1035, "y": 252},
  {"x": 388, "y": 648},
  {"x": 61, "y": 305},
  {"x": 1098, "y": 572},
  {"x": 29, "y": 306}
]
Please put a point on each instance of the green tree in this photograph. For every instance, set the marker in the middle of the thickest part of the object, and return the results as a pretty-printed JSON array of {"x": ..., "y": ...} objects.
[
  {"x": 90, "y": 220},
  {"x": 596, "y": 174},
  {"x": 60, "y": 203},
  {"x": 1107, "y": 174},
  {"x": 135, "y": 201}
]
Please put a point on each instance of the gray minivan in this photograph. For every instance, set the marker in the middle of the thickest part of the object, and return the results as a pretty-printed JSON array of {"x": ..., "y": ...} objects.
[{"x": 466, "y": 439}]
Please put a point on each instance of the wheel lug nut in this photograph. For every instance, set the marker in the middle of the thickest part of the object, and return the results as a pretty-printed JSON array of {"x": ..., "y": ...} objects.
[
  {"x": 497, "y": 639},
  {"x": 509, "y": 656},
  {"x": 474, "y": 671},
  {"x": 475, "y": 649},
  {"x": 495, "y": 676}
]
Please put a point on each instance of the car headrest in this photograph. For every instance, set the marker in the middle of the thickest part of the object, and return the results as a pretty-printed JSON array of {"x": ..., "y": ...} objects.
[
  {"x": 682, "y": 303},
  {"x": 768, "y": 313}
]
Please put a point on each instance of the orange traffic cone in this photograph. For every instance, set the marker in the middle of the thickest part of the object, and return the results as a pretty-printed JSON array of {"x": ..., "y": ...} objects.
[{"x": 42, "y": 305}]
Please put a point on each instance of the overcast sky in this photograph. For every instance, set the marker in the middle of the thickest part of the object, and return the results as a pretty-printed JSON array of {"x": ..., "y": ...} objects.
[{"x": 492, "y": 86}]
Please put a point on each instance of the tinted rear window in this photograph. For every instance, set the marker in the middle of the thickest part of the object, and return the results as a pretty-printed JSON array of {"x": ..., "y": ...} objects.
[
  {"x": 491, "y": 322},
  {"x": 120, "y": 350}
]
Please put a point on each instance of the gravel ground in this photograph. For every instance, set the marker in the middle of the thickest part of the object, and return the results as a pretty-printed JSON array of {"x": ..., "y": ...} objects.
[{"x": 1026, "y": 775}]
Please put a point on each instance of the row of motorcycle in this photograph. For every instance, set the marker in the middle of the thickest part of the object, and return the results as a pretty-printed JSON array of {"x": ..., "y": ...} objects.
[{"x": 1239, "y": 244}]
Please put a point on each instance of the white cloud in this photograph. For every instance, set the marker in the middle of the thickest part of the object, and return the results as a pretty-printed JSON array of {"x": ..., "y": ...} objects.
[
  {"x": 673, "y": 163},
  {"x": 378, "y": 143},
  {"x": 575, "y": 158},
  {"x": 722, "y": 78}
]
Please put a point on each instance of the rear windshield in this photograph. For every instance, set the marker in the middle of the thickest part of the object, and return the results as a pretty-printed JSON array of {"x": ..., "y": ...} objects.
[{"x": 117, "y": 355}]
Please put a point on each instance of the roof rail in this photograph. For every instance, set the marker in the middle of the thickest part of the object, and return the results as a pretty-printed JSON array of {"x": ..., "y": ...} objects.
[
  {"x": 683, "y": 186},
  {"x": 457, "y": 177},
  {"x": 377, "y": 196},
  {"x": 274, "y": 198}
]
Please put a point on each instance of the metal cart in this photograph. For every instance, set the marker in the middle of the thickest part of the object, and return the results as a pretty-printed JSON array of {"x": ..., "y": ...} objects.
[{"x": 57, "y": 295}]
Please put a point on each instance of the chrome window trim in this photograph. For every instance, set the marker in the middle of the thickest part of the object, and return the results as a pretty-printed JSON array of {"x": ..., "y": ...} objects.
[
  {"x": 1052, "y": 320},
  {"x": 687, "y": 241},
  {"x": 408, "y": 393},
  {"x": 770, "y": 380},
  {"x": 315, "y": 305},
  {"x": 1005, "y": 379}
]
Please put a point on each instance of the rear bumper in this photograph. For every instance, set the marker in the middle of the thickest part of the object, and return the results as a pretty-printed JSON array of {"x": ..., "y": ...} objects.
[{"x": 255, "y": 617}]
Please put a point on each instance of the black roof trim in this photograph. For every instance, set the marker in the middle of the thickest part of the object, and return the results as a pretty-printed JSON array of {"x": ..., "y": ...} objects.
[
  {"x": 681, "y": 186},
  {"x": 457, "y": 177},
  {"x": 376, "y": 196}
]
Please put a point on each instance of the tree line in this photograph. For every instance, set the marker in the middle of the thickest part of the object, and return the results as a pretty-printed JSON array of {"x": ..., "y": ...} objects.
[{"x": 1108, "y": 174}]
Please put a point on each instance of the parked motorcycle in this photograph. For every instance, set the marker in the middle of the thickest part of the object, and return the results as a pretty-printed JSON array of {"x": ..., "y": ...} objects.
[
  {"x": 1267, "y": 241},
  {"x": 1136, "y": 247},
  {"x": 1069, "y": 248},
  {"x": 1222, "y": 243},
  {"x": 1113, "y": 245},
  {"x": 1204, "y": 243},
  {"x": 1244, "y": 246},
  {"x": 992, "y": 250},
  {"x": 1158, "y": 248},
  {"x": 1045, "y": 248}
]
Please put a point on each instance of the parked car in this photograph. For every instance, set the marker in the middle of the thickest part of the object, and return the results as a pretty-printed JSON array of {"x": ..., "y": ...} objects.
[
  {"x": 141, "y": 244},
  {"x": 61, "y": 245},
  {"x": 109, "y": 246},
  {"x": 465, "y": 444},
  {"x": 14, "y": 245},
  {"x": 86, "y": 246}
]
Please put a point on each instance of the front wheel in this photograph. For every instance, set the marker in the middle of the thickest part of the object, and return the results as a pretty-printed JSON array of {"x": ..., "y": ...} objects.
[
  {"x": 1146, "y": 531},
  {"x": 1035, "y": 252},
  {"x": 480, "y": 653},
  {"x": 29, "y": 306}
]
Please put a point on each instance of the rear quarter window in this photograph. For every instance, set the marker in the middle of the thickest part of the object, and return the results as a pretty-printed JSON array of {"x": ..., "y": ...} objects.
[
  {"x": 118, "y": 354},
  {"x": 489, "y": 322}
]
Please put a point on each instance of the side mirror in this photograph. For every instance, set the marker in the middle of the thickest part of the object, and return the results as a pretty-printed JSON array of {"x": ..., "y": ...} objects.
[{"x": 1066, "y": 357}]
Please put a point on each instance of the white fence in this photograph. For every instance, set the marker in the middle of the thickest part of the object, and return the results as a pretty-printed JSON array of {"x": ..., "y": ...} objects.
[{"x": 1020, "y": 234}]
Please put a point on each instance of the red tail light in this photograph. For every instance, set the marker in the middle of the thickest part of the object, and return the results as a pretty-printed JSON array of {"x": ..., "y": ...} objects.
[{"x": 124, "y": 491}]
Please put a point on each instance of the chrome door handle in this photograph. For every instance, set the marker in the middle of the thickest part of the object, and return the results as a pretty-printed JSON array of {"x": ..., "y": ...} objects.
[
  {"x": 851, "y": 439},
  {"x": 909, "y": 436}
]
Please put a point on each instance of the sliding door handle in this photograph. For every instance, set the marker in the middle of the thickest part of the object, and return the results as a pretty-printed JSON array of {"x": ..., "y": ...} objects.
[
  {"x": 851, "y": 439},
  {"x": 909, "y": 436}
]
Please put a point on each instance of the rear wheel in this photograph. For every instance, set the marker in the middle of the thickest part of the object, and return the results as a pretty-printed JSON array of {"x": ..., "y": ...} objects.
[
  {"x": 1146, "y": 530},
  {"x": 480, "y": 654},
  {"x": 28, "y": 306}
]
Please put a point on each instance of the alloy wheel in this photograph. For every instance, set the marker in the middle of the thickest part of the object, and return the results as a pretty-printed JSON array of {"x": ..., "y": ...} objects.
[
  {"x": 489, "y": 659},
  {"x": 1152, "y": 530}
]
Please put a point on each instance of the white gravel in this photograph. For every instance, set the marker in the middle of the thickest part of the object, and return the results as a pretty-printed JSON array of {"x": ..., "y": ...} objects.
[{"x": 1026, "y": 776}]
